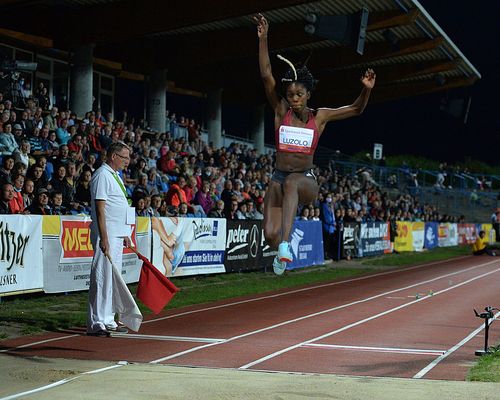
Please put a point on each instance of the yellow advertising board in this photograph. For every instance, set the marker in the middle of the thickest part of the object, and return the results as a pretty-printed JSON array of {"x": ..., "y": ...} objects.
[
  {"x": 490, "y": 233},
  {"x": 404, "y": 239}
]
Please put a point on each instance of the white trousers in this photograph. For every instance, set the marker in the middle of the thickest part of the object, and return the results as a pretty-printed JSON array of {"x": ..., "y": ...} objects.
[{"x": 100, "y": 312}]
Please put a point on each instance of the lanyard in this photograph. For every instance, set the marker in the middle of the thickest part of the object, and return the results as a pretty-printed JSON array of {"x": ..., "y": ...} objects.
[{"x": 119, "y": 181}]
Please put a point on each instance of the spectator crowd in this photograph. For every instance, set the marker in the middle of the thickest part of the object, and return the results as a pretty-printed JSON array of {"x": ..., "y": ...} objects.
[{"x": 48, "y": 158}]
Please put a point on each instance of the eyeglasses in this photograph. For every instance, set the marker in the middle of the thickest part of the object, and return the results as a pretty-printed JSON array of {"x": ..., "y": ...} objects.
[{"x": 123, "y": 157}]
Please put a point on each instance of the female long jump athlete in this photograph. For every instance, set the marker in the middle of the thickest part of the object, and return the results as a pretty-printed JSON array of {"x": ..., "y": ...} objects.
[{"x": 298, "y": 129}]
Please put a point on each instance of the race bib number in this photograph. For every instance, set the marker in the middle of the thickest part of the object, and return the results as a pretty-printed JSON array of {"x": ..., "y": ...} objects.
[{"x": 294, "y": 139}]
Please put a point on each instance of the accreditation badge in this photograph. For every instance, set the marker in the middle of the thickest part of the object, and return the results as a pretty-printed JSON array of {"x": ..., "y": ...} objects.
[{"x": 130, "y": 216}]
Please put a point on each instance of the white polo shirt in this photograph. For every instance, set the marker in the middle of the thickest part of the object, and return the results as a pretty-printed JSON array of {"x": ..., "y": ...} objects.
[{"x": 105, "y": 187}]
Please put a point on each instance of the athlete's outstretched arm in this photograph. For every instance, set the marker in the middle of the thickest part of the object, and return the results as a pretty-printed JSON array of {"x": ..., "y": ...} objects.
[
  {"x": 333, "y": 114},
  {"x": 266, "y": 72}
]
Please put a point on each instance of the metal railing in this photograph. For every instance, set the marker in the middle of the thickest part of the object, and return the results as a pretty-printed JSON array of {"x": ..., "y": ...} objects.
[{"x": 402, "y": 177}]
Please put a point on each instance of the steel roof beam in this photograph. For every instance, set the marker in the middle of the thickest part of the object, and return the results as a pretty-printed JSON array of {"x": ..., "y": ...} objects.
[
  {"x": 130, "y": 19},
  {"x": 388, "y": 73},
  {"x": 333, "y": 98}
]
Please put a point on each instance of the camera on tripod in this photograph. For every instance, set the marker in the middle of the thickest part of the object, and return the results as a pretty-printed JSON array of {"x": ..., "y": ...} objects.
[{"x": 13, "y": 89}]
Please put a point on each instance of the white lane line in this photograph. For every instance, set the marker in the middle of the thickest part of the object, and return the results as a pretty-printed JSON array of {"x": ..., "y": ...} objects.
[
  {"x": 98, "y": 371},
  {"x": 375, "y": 349},
  {"x": 346, "y": 327},
  {"x": 175, "y": 355},
  {"x": 300, "y": 290},
  {"x": 181, "y": 353},
  {"x": 167, "y": 338},
  {"x": 59, "y": 383},
  {"x": 40, "y": 342},
  {"x": 424, "y": 371}
]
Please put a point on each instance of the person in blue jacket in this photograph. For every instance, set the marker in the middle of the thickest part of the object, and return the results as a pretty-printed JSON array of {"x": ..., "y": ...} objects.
[{"x": 328, "y": 224}]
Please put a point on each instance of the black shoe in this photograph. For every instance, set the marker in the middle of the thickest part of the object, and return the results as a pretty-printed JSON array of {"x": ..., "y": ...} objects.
[
  {"x": 99, "y": 333},
  {"x": 117, "y": 329}
]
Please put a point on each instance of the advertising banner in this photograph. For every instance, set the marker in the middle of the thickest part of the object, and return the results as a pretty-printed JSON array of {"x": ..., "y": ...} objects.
[
  {"x": 418, "y": 233},
  {"x": 490, "y": 232},
  {"x": 243, "y": 245},
  {"x": 350, "y": 240},
  {"x": 307, "y": 244},
  {"x": 404, "y": 239},
  {"x": 479, "y": 228},
  {"x": 444, "y": 235},
  {"x": 21, "y": 266},
  {"x": 189, "y": 246},
  {"x": 447, "y": 235},
  {"x": 453, "y": 232},
  {"x": 466, "y": 234},
  {"x": 267, "y": 254},
  {"x": 68, "y": 252},
  {"x": 375, "y": 239},
  {"x": 431, "y": 235}
]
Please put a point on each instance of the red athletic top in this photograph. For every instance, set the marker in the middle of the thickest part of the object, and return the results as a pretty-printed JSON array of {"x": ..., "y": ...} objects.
[{"x": 293, "y": 139}]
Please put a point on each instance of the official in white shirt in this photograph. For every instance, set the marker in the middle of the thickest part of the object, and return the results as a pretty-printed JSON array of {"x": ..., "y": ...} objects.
[{"x": 111, "y": 228}]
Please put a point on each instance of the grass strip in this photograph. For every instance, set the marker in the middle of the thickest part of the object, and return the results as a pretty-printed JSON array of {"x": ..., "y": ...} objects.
[
  {"x": 407, "y": 258},
  {"x": 487, "y": 369}
]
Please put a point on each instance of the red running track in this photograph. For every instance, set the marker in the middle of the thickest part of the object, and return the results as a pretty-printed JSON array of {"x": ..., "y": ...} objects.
[{"x": 374, "y": 325}]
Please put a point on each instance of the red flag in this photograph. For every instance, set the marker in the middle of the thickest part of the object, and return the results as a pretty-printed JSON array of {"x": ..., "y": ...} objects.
[{"x": 154, "y": 289}]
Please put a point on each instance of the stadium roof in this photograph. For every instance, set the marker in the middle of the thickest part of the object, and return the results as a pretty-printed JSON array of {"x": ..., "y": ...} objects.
[{"x": 212, "y": 44}]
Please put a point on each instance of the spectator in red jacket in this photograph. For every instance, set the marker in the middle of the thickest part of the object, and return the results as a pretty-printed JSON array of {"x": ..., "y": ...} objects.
[
  {"x": 167, "y": 163},
  {"x": 17, "y": 202},
  {"x": 175, "y": 195},
  {"x": 75, "y": 145}
]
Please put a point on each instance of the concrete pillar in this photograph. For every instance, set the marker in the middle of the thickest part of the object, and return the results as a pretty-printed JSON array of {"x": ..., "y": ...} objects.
[
  {"x": 157, "y": 100},
  {"x": 214, "y": 117},
  {"x": 81, "y": 80},
  {"x": 258, "y": 118}
]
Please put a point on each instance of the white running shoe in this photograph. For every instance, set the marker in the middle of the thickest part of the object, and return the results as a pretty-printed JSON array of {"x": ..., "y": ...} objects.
[
  {"x": 278, "y": 266},
  {"x": 284, "y": 252}
]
